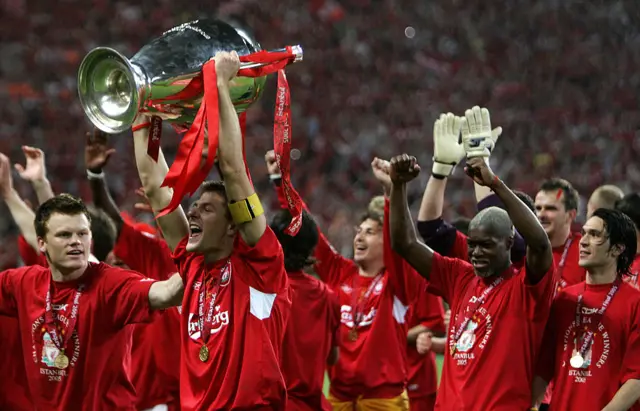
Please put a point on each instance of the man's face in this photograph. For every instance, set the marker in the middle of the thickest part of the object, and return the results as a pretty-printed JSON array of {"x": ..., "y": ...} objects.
[
  {"x": 367, "y": 243},
  {"x": 551, "y": 211},
  {"x": 595, "y": 246},
  {"x": 209, "y": 223},
  {"x": 488, "y": 253},
  {"x": 114, "y": 261},
  {"x": 67, "y": 242}
]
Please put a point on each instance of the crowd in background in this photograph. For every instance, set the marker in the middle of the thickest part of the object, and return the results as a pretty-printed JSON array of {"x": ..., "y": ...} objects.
[{"x": 560, "y": 77}]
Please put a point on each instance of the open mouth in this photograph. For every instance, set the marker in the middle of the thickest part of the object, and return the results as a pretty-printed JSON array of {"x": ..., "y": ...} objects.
[
  {"x": 195, "y": 230},
  {"x": 75, "y": 253},
  {"x": 584, "y": 254},
  {"x": 361, "y": 247},
  {"x": 480, "y": 263}
]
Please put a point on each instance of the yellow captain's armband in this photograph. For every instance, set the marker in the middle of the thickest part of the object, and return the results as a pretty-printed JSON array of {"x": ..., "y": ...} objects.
[{"x": 246, "y": 210}]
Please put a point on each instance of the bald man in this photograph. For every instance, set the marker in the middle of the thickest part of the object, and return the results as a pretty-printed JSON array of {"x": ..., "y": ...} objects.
[
  {"x": 604, "y": 197},
  {"x": 498, "y": 309}
]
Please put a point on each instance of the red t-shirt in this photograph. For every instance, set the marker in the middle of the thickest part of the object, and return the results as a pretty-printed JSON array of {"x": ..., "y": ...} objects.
[
  {"x": 14, "y": 391},
  {"x": 97, "y": 376},
  {"x": 570, "y": 273},
  {"x": 613, "y": 358},
  {"x": 310, "y": 336},
  {"x": 428, "y": 311},
  {"x": 29, "y": 255},
  {"x": 155, "y": 352},
  {"x": 373, "y": 366},
  {"x": 635, "y": 271},
  {"x": 493, "y": 366},
  {"x": 251, "y": 312}
]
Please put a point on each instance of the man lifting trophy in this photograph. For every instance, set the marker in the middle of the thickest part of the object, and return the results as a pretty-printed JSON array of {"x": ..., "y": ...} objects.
[{"x": 166, "y": 80}]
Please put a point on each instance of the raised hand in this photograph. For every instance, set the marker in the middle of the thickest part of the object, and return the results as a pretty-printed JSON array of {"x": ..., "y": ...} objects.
[
  {"x": 447, "y": 151},
  {"x": 34, "y": 169},
  {"x": 424, "y": 342},
  {"x": 478, "y": 169},
  {"x": 381, "y": 169},
  {"x": 96, "y": 151},
  {"x": 227, "y": 64},
  {"x": 144, "y": 205},
  {"x": 6, "y": 181},
  {"x": 272, "y": 164},
  {"x": 404, "y": 168},
  {"x": 477, "y": 137}
]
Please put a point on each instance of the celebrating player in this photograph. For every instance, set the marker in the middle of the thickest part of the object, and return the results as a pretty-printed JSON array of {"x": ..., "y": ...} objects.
[
  {"x": 591, "y": 348},
  {"x": 236, "y": 301}
]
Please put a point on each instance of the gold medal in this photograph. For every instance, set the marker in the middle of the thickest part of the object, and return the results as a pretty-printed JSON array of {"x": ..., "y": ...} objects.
[
  {"x": 61, "y": 361},
  {"x": 353, "y": 335},
  {"x": 204, "y": 353},
  {"x": 576, "y": 361}
]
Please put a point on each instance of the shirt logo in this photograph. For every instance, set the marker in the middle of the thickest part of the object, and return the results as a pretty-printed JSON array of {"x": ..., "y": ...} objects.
[{"x": 220, "y": 320}]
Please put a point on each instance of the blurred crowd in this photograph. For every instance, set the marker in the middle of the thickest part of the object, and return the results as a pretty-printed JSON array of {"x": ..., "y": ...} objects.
[{"x": 560, "y": 77}]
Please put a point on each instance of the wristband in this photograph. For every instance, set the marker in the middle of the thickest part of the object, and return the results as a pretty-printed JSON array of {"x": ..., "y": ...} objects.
[
  {"x": 95, "y": 176},
  {"x": 140, "y": 126}
]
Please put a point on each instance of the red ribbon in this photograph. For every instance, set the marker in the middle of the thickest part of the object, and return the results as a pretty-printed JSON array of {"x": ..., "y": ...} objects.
[
  {"x": 282, "y": 147},
  {"x": 187, "y": 173}
]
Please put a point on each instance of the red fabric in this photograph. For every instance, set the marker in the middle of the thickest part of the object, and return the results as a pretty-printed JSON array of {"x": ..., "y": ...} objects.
[
  {"x": 29, "y": 255},
  {"x": 252, "y": 309},
  {"x": 14, "y": 391},
  {"x": 97, "y": 377},
  {"x": 422, "y": 378},
  {"x": 635, "y": 271},
  {"x": 426, "y": 403},
  {"x": 186, "y": 174},
  {"x": 155, "y": 353},
  {"x": 308, "y": 341},
  {"x": 606, "y": 369},
  {"x": 482, "y": 374}
]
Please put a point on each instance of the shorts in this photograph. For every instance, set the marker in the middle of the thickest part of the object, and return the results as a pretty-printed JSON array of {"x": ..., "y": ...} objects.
[{"x": 399, "y": 403}]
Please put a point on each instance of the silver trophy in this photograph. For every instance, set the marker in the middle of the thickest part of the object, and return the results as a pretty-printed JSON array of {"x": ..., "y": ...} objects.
[{"x": 114, "y": 89}]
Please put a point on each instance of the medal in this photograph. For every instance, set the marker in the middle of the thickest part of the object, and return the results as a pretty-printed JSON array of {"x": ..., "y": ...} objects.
[
  {"x": 204, "y": 353},
  {"x": 577, "y": 361},
  {"x": 353, "y": 335},
  {"x": 61, "y": 361}
]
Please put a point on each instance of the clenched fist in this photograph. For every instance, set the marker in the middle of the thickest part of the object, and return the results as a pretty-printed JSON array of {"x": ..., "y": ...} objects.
[
  {"x": 404, "y": 168},
  {"x": 227, "y": 65}
]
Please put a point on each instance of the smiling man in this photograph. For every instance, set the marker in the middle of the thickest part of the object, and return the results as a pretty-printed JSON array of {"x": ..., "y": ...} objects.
[
  {"x": 493, "y": 303},
  {"x": 236, "y": 300},
  {"x": 74, "y": 314},
  {"x": 591, "y": 347}
]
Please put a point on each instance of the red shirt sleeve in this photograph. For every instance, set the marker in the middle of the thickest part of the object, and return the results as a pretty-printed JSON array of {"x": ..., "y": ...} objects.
[
  {"x": 7, "y": 293},
  {"x": 448, "y": 275},
  {"x": 334, "y": 314},
  {"x": 631, "y": 361},
  {"x": 406, "y": 282},
  {"x": 540, "y": 294},
  {"x": 126, "y": 295},
  {"x": 459, "y": 248},
  {"x": 429, "y": 312},
  {"x": 29, "y": 255},
  {"x": 263, "y": 263},
  {"x": 144, "y": 252}
]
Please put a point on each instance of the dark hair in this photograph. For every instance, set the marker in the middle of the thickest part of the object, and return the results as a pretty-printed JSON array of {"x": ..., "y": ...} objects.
[
  {"x": 61, "y": 204},
  {"x": 571, "y": 196},
  {"x": 630, "y": 205},
  {"x": 298, "y": 250},
  {"x": 620, "y": 231},
  {"x": 216, "y": 186},
  {"x": 372, "y": 215},
  {"x": 461, "y": 224},
  {"x": 526, "y": 199},
  {"x": 103, "y": 231}
]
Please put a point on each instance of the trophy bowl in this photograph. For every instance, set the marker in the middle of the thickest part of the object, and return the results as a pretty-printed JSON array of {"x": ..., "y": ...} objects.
[{"x": 114, "y": 89}]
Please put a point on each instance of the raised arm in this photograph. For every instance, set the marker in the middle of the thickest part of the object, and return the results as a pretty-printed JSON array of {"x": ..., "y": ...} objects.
[
  {"x": 96, "y": 156},
  {"x": 168, "y": 293},
  {"x": 35, "y": 172},
  {"x": 240, "y": 192},
  {"x": 174, "y": 225},
  {"x": 20, "y": 211},
  {"x": 476, "y": 137},
  {"x": 404, "y": 240}
]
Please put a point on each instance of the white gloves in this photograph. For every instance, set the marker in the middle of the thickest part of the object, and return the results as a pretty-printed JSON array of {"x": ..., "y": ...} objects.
[
  {"x": 477, "y": 137},
  {"x": 447, "y": 151}
]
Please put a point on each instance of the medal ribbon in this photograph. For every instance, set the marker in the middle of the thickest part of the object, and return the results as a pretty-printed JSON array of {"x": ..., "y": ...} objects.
[
  {"x": 359, "y": 303},
  {"x": 563, "y": 261},
  {"x": 207, "y": 323},
  {"x": 50, "y": 323},
  {"x": 587, "y": 338},
  {"x": 186, "y": 173},
  {"x": 471, "y": 309}
]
